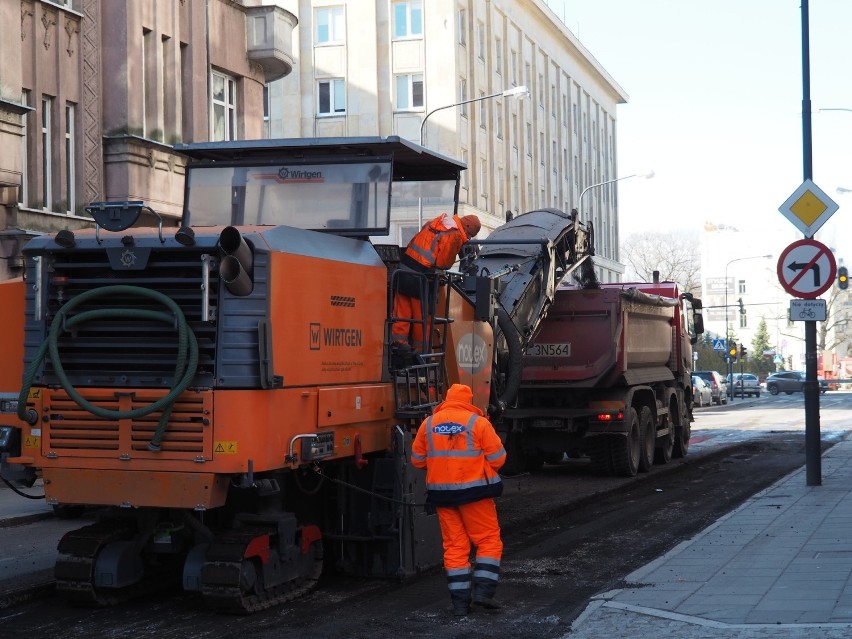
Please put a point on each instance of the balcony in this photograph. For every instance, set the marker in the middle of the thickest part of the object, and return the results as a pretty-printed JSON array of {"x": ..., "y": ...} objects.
[{"x": 269, "y": 39}]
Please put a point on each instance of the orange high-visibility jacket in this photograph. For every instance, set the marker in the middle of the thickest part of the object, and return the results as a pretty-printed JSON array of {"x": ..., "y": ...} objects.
[
  {"x": 460, "y": 451},
  {"x": 437, "y": 244}
]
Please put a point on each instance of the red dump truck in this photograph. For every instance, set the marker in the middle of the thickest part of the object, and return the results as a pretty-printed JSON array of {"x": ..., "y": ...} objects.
[{"x": 608, "y": 376}]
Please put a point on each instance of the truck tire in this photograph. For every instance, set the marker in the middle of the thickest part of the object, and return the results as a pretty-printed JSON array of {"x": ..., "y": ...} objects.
[
  {"x": 598, "y": 450},
  {"x": 682, "y": 435},
  {"x": 627, "y": 450},
  {"x": 647, "y": 439},
  {"x": 665, "y": 445}
]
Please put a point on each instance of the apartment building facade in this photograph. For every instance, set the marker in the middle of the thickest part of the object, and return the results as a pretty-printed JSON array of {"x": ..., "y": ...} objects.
[
  {"x": 94, "y": 93},
  {"x": 436, "y": 71}
]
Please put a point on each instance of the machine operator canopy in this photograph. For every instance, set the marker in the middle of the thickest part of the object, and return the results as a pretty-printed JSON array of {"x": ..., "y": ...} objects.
[{"x": 340, "y": 185}]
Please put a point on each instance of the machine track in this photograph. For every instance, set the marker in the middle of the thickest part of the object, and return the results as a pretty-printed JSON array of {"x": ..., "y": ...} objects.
[
  {"x": 75, "y": 566},
  {"x": 234, "y": 583}
]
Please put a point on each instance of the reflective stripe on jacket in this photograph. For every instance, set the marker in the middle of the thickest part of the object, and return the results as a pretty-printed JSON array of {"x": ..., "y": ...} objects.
[
  {"x": 437, "y": 244},
  {"x": 461, "y": 453}
]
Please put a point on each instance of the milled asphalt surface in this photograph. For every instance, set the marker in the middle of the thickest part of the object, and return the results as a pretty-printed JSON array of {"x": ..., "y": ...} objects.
[
  {"x": 780, "y": 565},
  {"x": 777, "y": 566}
]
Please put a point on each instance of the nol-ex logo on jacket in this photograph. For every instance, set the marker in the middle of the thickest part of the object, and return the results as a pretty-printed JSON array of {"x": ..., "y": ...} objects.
[{"x": 450, "y": 428}]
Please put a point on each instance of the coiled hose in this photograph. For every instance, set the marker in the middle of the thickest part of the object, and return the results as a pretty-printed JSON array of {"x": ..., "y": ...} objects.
[{"x": 185, "y": 368}]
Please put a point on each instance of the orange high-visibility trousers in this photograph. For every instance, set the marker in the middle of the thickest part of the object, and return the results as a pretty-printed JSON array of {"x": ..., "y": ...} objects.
[
  {"x": 407, "y": 308},
  {"x": 474, "y": 523}
]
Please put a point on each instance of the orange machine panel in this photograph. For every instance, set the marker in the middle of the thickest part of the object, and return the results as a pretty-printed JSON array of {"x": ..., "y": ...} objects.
[
  {"x": 469, "y": 350},
  {"x": 12, "y": 335},
  {"x": 328, "y": 320},
  {"x": 354, "y": 404},
  {"x": 135, "y": 489}
]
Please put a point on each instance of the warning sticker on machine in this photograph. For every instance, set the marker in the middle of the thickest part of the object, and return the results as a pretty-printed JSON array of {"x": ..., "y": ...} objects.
[
  {"x": 340, "y": 367},
  {"x": 225, "y": 447}
]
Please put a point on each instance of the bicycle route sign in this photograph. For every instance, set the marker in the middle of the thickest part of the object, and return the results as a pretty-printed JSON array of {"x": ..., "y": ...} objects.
[
  {"x": 806, "y": 269},
  {"x": 807, "y": 310}
]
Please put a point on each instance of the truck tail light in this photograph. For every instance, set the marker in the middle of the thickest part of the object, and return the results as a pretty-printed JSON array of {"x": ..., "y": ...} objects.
[{"x": 609, "y": 417}]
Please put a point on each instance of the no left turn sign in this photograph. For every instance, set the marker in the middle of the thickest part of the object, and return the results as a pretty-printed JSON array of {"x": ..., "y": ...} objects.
[{"x": 806, "y": 269}]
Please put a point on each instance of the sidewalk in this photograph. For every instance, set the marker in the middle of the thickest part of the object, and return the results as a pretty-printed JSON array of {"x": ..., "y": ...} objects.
[
  {"x": 15, "y": 509},
  {"x": 779, "y": 566}
]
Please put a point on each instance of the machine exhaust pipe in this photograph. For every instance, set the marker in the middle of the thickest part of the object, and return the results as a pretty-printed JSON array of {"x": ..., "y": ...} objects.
[{"x": 235, "y": 266}]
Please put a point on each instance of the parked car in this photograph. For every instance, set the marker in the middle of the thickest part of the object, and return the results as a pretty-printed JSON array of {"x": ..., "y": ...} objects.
[
  {"x": 701, "y": 395},
  {"x": 717, "y": 383},
  {"x": 744, "y": 384},
  {"x": 790, "y": 382}
]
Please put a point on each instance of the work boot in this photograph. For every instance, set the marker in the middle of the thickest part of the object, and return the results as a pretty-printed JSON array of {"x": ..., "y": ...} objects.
[
  {"x": 458, "y": 581},
  {"x": 402, "y": 355},
  {"x": 486, "y": 572}
]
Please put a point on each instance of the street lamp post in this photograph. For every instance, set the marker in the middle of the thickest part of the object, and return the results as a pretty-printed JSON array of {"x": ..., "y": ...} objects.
[
  {"x": 728, "y": 365},
  {"x": 519, "y": 92},
  {"x": 647, "y": 176}
]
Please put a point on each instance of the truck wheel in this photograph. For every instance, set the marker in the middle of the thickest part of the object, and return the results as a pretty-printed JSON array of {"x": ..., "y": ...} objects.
[
  {"x": 665, "y": 445},
  {"x": 627, "y": 450},
  {"x": 648, "y": 439},
  {"x": 682, "y": 435},
  {"x": 599, "y": 451}
]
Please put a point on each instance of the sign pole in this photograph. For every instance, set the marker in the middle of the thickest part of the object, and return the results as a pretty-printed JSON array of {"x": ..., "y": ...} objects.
[{"x": 813, "y": 460}]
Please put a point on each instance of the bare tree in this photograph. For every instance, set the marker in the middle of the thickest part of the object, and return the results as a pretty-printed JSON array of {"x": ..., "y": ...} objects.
[
  {"x": 833, "y": 334},
  {"x": 674, "y": 254}
]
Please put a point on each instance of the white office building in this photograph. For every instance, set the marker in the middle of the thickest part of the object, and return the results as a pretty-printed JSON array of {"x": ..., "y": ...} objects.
[{"x": 451, "y": 71}]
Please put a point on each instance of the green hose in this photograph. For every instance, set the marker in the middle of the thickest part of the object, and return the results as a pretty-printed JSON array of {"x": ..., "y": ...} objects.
[{"x": 184, "y": 370}]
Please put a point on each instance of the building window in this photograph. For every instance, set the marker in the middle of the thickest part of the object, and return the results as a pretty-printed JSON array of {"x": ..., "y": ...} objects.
[
  {"x": 463, "y": 97},
  {"x": 70, "y": 164},
  {"x": 498, "y": 110},
  {"x": 514, "y": 67},
  {"x": 465, "y": 172},
  {"x": 46, "y": 153},
  {"x": 224, "y": 107},
  {"x": 514, "y": 131},
  {"x": 330, "y": 25},
  {"x": 541, "y": 148},
  {"x": 741, "y": 287},
  {"x": 408, "y": 18},
  {"x": 409, "y": 92},
  {"x": 462, "y": 25},
  {"x": 743, "y": 321},
  {"x": 483, "y": 178},
  {"x": 480, "y": 40},
  {"x": 540, "y": 89},
  {"x": 266, "y": 109},
  {"x": 529, "y": 139},
  {"x": 23, "y": 196},
  {"x": 483, "y": 110},
  {"x": 498, "y": 56},
  {"x": 331, "y": 97},
  {"x": 500, "y": 186}
]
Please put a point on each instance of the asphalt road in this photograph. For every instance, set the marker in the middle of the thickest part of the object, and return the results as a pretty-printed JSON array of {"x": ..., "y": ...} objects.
[{"x": 568, "y": 535}]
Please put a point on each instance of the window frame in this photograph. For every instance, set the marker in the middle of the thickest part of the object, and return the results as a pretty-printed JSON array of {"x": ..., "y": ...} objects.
[
  {"x": 334, "y": 14},
  {"x": 411, "y": 81},
  {"x": 412, "y": 8},
  {"x": 332, "y": 97},
  {"x": 228, "y": 103}
]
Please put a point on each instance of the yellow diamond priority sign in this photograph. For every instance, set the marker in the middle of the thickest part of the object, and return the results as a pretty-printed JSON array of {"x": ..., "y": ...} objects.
[{"x": 808, "y": 208}]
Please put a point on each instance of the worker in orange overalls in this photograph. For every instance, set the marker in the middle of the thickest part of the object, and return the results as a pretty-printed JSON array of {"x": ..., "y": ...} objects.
[
  {"x": 461, "y": 453},
  {"x": 436, "y": 246}
]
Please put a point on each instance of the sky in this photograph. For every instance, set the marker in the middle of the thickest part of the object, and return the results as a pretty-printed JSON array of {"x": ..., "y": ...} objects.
[{"x": 715, "y": 102}]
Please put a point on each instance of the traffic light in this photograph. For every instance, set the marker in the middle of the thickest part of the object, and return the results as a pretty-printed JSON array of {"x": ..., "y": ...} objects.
[
  {"x": 742, "y": 306},
  {"x": 742, "y": 352},
  {"x": 732, "y": 349},
  {"x": 842, "y": 278}
]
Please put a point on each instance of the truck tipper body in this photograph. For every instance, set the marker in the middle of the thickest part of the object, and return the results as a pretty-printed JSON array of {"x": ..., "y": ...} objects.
[{"x": 607, "y": 375}]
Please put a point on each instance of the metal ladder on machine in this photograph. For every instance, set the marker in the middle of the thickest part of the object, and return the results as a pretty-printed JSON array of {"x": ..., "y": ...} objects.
[{"x": 419, "y": 380}]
